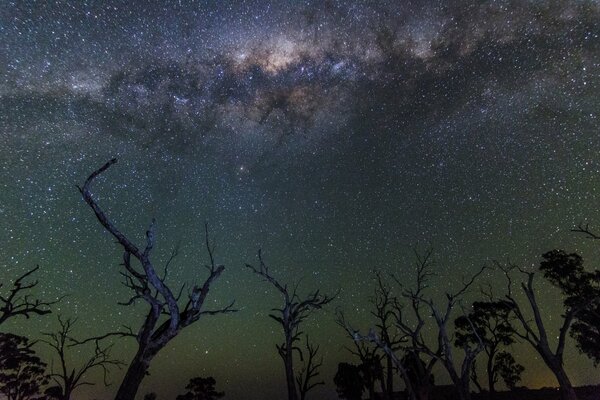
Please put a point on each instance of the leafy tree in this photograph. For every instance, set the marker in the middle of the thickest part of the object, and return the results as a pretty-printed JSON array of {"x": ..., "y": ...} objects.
[
  {"x": 349, "y": 381},
  {"x": 22, "y": 373},
  {"x": 201, "y": 389},
  {"x": 586, "y": 331},
  {"x": 509, "y": 370},
  {"x": 586, "y": 326},
  {"x": 489, "y": 321},
  {"x": 564, "y": 271}
]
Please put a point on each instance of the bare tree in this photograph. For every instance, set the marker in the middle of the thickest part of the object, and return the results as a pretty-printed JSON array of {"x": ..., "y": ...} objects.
[
  {"x": 564, "y": 271},
  {"x": 305, "y": 379},
  {"x": 442, "y": 348},
  {"x": 66, "y": 378},
  {"x": 383, "y": 303},
  {"x": 370, "y": 360},
  {"x": 374, "y": 338},
  {"x": 147, "y": 285},
  {"x": 294, "y": 311},
  {"x": 414, "y": 332},
  {"x": 18, "y": 302}
]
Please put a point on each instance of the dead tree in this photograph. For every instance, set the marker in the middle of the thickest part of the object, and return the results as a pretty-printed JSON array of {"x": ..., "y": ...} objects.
[
  {"x": 66, "y": 378},
  {"x": 147, "y": 285},
  {"x": 564, "y": 271},
  {"x": 305, "y": 379},
  {"x": 367, "y": 354},
  {"x": 374, "y": 338},
  {"x": 294, "y": 311},
  {"x": 442, "y": 349},
  {"x": 19, "y": 303},
  {"x": 383, "y": 303},
  {"x": 414, "y": 332}
]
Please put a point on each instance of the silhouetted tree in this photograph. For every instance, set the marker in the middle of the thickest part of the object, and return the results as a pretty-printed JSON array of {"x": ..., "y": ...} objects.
[
  {"x": 370, "y": 360},
  {"x": 509, "y": 370},
  {"x": 201, "y": 389},
  {"x": 22, "y": 373},
  {"x": 564, "y": 271},
  {"x": 147, "y": 285},
  {"x": 383, "y": 303},
  {"x": 586, "y": 325},
  {"x": 67, "y": 378},
  {"x": 18, "y": 301},
  {"x": 421, "y": 379},
  {"x": 442, "y": 348},
  {"x": 293, "y": 312},
  {"x": 349, "y": 381},
  {"x": 586, "y": 331},
  {"x": 489, "y": 322},
  {"x": 305, "y": 379}
]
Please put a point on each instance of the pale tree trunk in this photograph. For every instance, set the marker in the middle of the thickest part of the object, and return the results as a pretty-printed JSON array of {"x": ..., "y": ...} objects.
[
  {"x": 289, "y": 316},
  {"x": 148, "y": 285}
]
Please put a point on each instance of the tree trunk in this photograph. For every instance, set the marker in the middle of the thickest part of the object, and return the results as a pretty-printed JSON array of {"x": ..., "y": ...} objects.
[
  {"x": 371, "y": 389},
  {"x": 490, "y": 374},
  {"x": 464, "y": 390},
  {"x": 390, "y": 378},
  {"x": 566, "y": 388},
  {"x": 289, "y": 371},
  {"x": 423, "y": 391},
  {"x": 556, "y": 366},
  {"x": 133, "y": 378}
]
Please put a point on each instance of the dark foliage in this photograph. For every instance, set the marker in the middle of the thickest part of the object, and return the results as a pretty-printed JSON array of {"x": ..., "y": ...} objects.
[
  {"x": 22, "y": 373},
  {"x": 586, "y": 331},
  {"x": 578, "y": 287},
  {"x": 489, "y": 321},
  {"x": 201, "y": 389},
  {"x": 508, "y": 369},
  {"x": 349, "y": 381},
  {"x": 582, "y": 293},
  {"x": 421, "y": 378}
]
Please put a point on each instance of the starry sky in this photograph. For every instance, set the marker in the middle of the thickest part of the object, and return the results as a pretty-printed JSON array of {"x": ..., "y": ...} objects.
[{"x": 334, "y": 135}]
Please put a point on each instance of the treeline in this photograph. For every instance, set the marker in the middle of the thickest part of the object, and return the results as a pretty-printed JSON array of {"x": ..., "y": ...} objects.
[{"x": 413, "y": 331}]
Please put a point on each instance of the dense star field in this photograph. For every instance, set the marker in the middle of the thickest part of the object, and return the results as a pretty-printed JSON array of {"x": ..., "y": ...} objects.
[{"x": 333, "y": 135}]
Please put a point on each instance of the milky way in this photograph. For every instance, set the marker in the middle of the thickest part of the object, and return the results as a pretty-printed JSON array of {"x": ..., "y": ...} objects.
[{"x": 333, "y": 134}]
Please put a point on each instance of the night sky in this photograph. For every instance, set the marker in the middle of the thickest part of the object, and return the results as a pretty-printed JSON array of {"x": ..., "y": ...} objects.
[{"x": 334, "y": 135}]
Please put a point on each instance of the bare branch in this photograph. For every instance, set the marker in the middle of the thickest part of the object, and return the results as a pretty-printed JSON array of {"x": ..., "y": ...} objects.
[
  {"x": 147, "y": 285},
  {"x": 18, "y": 302}
]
